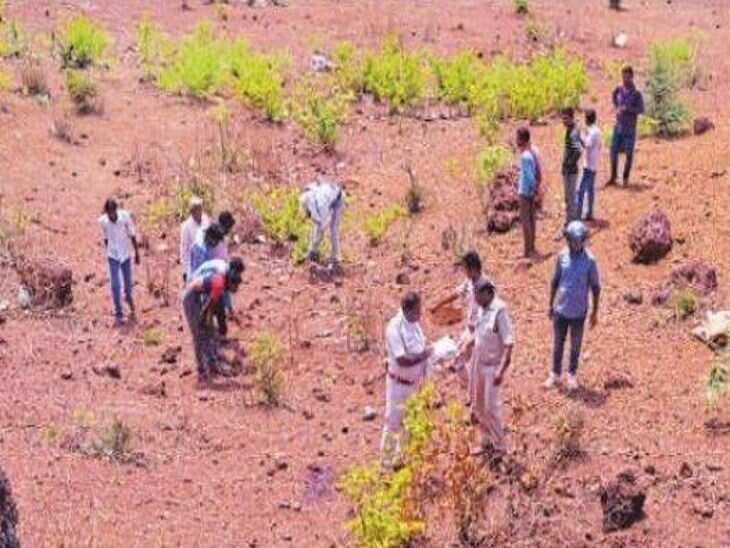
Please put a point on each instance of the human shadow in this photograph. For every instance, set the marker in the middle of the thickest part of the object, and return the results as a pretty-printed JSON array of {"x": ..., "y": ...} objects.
[{"x": 591, "y": 398}]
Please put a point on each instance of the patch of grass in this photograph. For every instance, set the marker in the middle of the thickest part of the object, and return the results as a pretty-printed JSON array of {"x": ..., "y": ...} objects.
[
  {"x": 283, "y": 220},
  {"x": 348, "y": 71},
  {"x": 82, "y": 43},
  {"x": 184, "y": 191},
  {"x": 534, "y": 30},
  {"x": 319, "y": 113},
  {"x": 457, "y": 76},
  {"x": 684, "y": 303},
  {"x": 152, "y": 337},
  {"x": 717, "y": 385},
  {"x": 114, "y": 442},
  {"x": 396, "y": 76},
  {"x": 664, "y": 82},
  {"x": 34, "y": 80},
  {"x": 154, "y": 48},
  {"x": 490, "y": 161},
  {"x": 521, "y": 7},
  {"x": 13, "y": 41},
  {"x": 267, "y": 354},
  {"x": 82, "y": 90},
  {"x": 680, "y": 55},
  {"x": 568, "y": 436},
  {"x": 377, "y": 224},
  {"x": 159, "y": 213},
  {"x": 6, "y": 80}
]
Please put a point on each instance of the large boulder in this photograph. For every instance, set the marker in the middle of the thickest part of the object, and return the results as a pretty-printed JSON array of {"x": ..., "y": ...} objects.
[
  {"x": 503, "y": 203},
  {"x": 651, "y": 237},
  {"x": 8, "y": 515},
  {"x": 696, "y": 274},
  {"x": 622, "y": 503},
  {"x": 48, "y": 281}
]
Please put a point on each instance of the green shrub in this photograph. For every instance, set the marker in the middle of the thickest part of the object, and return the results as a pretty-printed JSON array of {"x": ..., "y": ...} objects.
[
  {"x": 319, "y": 113},
  {"x": 267, "y": 354},
  {"x": 82, "y": 90},
  {"x": 457, "y": 76},
  {"x": 663, "y": 85},
  {"x": 184, "y": 191},
  {"x": 283, "y": 220},
  {"x": 348, "y": 69},
  {"x": 684, "y": 303},
  {"x": 490, "y": 161},
  {"x": 395, "y": 75},
  {"x": 377, "y": 224},
  {"x": 82, "y": 43},
  {"x": 198, "y": 65},
  {"x": 521, "y": 6},
  {"x": 6, "y": 80},
  {"x": 258, "y": 79},
  {"x": 717, "y": 385},
  {"x": 154, "y": 48},
  {"x": 159, "y": 213},
  {"x": 680, "y": 55},
  {"x": 13, "y": 41}
]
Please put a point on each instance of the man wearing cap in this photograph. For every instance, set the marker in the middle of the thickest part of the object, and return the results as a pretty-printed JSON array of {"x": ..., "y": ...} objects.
[
  {"x": 407, "y": 358},
  {"x": 576, "y": 274},
  {"x": 323, "y": 202},
  {"x": 196, "y": 222},
  {"x": 494, "y": 339}
]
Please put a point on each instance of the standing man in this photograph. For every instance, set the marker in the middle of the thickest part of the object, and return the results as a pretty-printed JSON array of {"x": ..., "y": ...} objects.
[
  {"x": 527, "y": 188},
  {"x": 407, "y": 357},
  {"x": 592, "y": 144},
  {"x": 195, "y": 223},
  {"x": 576, "y": 274},
  {"x": 200, "y": 298},
  {"x": 323, "y": 202},
  {"x": 118, "y": 230},
  {"x": 629, "y": 104},
  {"x": 571, "y": 156},
  {"x": 492, "y": 357}
]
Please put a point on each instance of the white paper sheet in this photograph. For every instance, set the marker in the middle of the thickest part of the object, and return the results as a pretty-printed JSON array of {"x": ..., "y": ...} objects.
[{"x": 445, "y": 349}]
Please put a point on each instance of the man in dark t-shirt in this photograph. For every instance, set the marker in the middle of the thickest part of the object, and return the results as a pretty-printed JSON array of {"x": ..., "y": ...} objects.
[{"x": 629, "y": 104}]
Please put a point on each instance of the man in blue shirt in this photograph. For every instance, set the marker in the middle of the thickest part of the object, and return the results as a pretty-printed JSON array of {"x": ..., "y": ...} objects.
[
  {"x": 576, "y": 274},
  {"x": 527, "y": 187},
  {"x": 629, "y": 104}
]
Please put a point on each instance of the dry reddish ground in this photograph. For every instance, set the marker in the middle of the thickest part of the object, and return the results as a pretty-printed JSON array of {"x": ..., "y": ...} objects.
[{"x": 210, "y": 454}]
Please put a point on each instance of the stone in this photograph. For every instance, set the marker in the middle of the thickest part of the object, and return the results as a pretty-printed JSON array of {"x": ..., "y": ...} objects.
[
  {"x": 685, "y": 471},
  {"x": 622, "y": 503},
  {"x": 634, "y": 297},
  {"x": 8, "y": 515},
  {"x": 320, "y": 63},
  {"x": 67, "y": 375},
  {"x": 697, "y": 274},
  {"x": 620, "y": 40},
  {"x": 651, "y": 237},
  {"x": 369, "y": 414},
  {"x": 702, "y": 125},
  {"x": 402, "y": 279},
  {"x": 170, "y": 355},
  {"x": 48, "y": 281},
  {"x": 108, "y": 370},
  {"x": 503, "y": 202}
]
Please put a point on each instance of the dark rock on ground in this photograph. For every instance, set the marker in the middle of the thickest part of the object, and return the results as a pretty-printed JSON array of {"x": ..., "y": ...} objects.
[
  {"x": 622, "y": 503},
  {"x": 170, "y": 355},
  {"x": 109, "y": 370},
  {"x": 634, "y": 297},
  {"x": 696, "y": 274},
  {"x": 503, "y": 204},
  {"x": 651, "y": 237},
  {"x": 48, "y": 280},
  {"x": 8, "y": 515},
  {"x": 702, "y": 125}
]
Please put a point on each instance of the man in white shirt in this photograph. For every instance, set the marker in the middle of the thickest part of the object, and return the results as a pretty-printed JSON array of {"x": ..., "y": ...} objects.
[
  {"x": 407, "y": 359},
  {"x": 323, "y": 202},
  {"x": 195, "y": 223},
  {"x": 118, "y": 230},
  {"x": 494, "y": 340},
  {"x": 592, "y": 142}
]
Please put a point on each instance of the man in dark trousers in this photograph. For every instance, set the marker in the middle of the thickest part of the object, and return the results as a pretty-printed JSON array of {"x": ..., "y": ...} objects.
[
  {"x": 571, "y": 155},
  {"x": 629, "y": 104}
]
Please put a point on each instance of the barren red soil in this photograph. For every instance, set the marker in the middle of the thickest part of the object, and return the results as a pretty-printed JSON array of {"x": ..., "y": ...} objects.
[{"x": 222, "y": 472}]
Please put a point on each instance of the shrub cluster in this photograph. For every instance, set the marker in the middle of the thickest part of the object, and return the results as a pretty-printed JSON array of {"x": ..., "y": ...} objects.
[
  {"x": 283, "y": 220},
  {"x": 319, "y": 112},
  {"x": 377, "y": 224},
  {"x": 490, "y": 160},
  {"x": 82, "y": 43},
  {"x": 267, "y": 354}
]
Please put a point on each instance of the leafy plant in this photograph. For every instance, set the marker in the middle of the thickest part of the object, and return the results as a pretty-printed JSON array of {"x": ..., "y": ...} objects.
[
  {"x": 684, "y": 303},
  {"x": 394, "y": 75},
  {"x": 184, "y": 191},
  {"x": 283, "y": 220},
  {"x": 348, "y": 70},
  {"x": 663, "y": 85},
  {"x": 377, "y": 224},
  {"x": 457, "y": 76},
  {"x": 82, "y": 90},
  {"x": 6, "y": 80},
  {"x": 680, "y": 55},
  {"x": 82, "y": 43},
  {"x": 153, "y": 47},
  {"x": 319, "y": 113},
  {"x": 13, "y": 41},
  {"x": 34, "y": 79},
  {"x": 490, "y": 161},
  {"x": 521, "y": 6},
  {"x": 114, "y": 442},
  {"x": 717, "y": 385},
  {"x": 568, "y": 435},
  {"x": 258, "y": 79},
  {"x": 267, "y": 354}
]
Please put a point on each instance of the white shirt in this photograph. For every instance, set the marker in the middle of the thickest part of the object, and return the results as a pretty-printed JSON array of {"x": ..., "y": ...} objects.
[
  {"x": 592, "y": 142},
  {"x": 493, "y": 333},
  {"x": 404, "y": 338},
  {"x": 471, "y": 309},
  {"x": 117, "y": 235},
  {"x": 188, "y": 232},
  {"x": 318, "y": 199}
]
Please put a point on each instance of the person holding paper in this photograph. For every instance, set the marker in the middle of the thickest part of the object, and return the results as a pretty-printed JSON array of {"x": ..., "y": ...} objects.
[
  {"x": 493, "y": 342},
  {"x": 407, "y": 361}
]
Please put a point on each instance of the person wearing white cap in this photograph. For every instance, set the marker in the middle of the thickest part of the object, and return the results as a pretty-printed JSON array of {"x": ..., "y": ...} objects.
[
  {"x": 493, "y": 342},
  {"x": 576, "y": 274},
  {"x": 324, "y": 202},
  {"x": 407, "y": 359},
  {"x": 196, "y": 222}
]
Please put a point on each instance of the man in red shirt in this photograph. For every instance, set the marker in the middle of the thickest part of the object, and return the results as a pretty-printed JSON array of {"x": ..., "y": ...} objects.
[{"x": 200, "y": 300}]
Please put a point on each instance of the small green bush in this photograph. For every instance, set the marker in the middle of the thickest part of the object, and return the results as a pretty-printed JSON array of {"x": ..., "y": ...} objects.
[
  {"x": 348, "y": 69},
  {"x": 319, "y": 113},
  {"x": 283, "y": 220},
  {"x": 159, "y": 213},
  {"x": 664, "y": 82},
  {"x": 521, "y": 6},
  {"x": 717, "y": 385},
  {"x": 267, "y": 354},
  {"x": 457, "y": 76},
  {"x": 377, "y": 224},
  {"x": 154, "y": 48},
  {"x": 13, "y": 41},
  {"x": 198, "y": 65},
  {"x": 490, "y": 161},
  {"x": 684, "y": 303},
  {"x": 258, "y": 79},
  {"x": 394, "y": 75},
  {"x": 82, "y": 43},
  {"x": 82, "y": 90},
  {"x": 680, "y": 55}
]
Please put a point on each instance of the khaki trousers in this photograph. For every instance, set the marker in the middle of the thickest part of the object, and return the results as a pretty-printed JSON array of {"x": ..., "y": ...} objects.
[{"x": 486, "y": 404}]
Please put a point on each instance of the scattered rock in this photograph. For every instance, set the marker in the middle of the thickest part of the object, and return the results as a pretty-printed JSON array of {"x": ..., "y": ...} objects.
[
  {"x": 703, "y": 510},
  {"x": 47, "y": 280},
  {"x": 402, "y": 279},
  {"x": 634, "y": 297},
  {"x": 320, "y": 395},
  {"x": 503, "y": 203},
  {"x": 702, "y": 125},
  {"x": 369, "y": 414},
  {"x": 622, "y": 503},
  {"x": 320, "y": 63},
  {"x": 685, "y": 471},
  {"x": 661, "y": 297},
  {"x": 651, "y": 237},
  {"x": 111, "y": 371},
  {"x": 67, "y": 375},
  {"x": 620, "y": 40},
  {"x": 617, "y": 381},
  {"x": 696, "y": 274},
  {"x": 170, "y": 355},
  {"x": 156, "y": 390},
  {"x": 8, "y": 515},
  {"x": 25, "y": 300}
]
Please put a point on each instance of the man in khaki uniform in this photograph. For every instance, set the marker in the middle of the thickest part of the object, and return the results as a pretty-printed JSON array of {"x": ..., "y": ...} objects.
[
  {"x": 493, "y": 341},
  {"x": 407, "y": 359}
]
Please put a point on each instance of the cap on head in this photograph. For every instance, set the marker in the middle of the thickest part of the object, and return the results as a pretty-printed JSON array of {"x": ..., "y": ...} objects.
[
  {"x": 196, "y": 201},
  {"x": 576, "y": 231}
]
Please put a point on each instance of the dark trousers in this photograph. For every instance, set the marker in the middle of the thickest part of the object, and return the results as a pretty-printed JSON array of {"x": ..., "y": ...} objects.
[
  {"x": 561, "y": 327},
  {"x": 204, "y": 338},
  {"x": 220, "y": 318},
  {"x": 587, "y": 188},
  {"x": 529, "y": 223},
  {"x": 622, "y": 142}
]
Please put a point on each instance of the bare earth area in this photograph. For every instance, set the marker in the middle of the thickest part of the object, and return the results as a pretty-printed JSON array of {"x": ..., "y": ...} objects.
[{"x": 214, "y": 469}]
